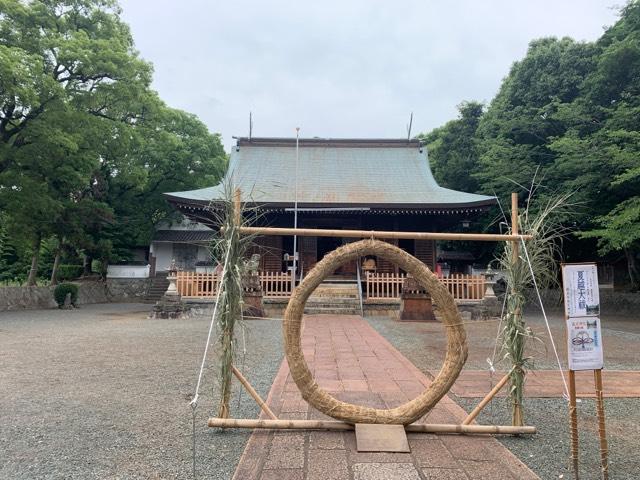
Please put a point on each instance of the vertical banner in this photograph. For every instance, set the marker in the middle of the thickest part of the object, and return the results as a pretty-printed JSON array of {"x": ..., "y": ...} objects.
[
  {"x": 584, "y": 343},
  {"x": 581, "y": 294}
]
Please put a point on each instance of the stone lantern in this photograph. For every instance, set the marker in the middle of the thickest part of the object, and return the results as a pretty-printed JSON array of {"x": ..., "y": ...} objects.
[
  {"x": 489, "y": 282},
  {"x": 172, "y": 276}
]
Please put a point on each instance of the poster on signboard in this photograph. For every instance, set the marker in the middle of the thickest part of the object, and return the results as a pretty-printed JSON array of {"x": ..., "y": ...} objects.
[
  {"x": 584, "y": 343},
  {"x": 581, "y": 294}
]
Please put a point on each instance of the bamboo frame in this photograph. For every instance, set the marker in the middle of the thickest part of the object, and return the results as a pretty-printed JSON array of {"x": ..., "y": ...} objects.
[
  {"x": 338, "y": 425},
  {"x": 245, "y": 383},
  {"x": 321, "y": 232},
  {"x": 494, "y": 391},
  {"x": 465, "y": 427}
]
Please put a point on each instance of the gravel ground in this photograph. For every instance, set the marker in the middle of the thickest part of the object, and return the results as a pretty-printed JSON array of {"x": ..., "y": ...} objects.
[
  {"x": 103, "y": 392},
  {"x": 546, "y": 453}
]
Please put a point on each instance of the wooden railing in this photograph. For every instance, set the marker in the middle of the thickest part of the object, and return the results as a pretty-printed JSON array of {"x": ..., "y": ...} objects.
[
  {"x": 465, "y": 287},
  {"x": 203, "y": 285},
  {"x": 197, "y": 285},
  {"x": 389, "y": 286},
  {"x": 384, "y": 285},
  {"x": 275, "y": 284},
  {"x": 378, "y": 285}
]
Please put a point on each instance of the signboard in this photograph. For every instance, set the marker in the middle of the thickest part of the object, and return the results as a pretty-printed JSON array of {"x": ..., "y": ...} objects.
[
  {"x": 581, "y": 294},
  {"x": 584, "y": 343}
]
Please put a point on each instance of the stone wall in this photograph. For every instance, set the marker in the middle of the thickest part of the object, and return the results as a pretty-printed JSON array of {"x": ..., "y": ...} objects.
[
  {"x": 611, "y": 301},
  {"x": 619, "y": 303},
  {"x": 113, "y": 290},
  {"x": 127, "y": 289}
]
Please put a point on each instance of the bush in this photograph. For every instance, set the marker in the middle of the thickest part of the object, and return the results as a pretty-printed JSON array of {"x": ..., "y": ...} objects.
[
  {"x": 60, "y": 293},
  {"x": 69, "y": 272}
]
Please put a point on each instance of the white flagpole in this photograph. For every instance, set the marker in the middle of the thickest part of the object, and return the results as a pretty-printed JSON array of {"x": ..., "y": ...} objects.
[{"x": 295, "y": 215}]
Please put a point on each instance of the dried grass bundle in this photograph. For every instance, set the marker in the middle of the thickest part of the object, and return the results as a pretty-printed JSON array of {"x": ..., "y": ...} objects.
[{"x": 543, "y": 252}]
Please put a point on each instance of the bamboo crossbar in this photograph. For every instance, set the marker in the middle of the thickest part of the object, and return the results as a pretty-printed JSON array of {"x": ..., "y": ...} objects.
[
  {"x": 494, "y": 391},
  {"x": 337, "y": 425},
  {"x": 245, "y": 383},
  {"x": 321, "y": 232}
]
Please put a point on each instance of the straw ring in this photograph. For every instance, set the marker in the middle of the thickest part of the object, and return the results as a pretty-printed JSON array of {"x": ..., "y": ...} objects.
[{"x": 406, "y": 413}]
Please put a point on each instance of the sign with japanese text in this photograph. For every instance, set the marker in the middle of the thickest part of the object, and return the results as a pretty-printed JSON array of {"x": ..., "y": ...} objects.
[
  {"x": 584, "y": 343},
  {"x": 581, "y": 294}
]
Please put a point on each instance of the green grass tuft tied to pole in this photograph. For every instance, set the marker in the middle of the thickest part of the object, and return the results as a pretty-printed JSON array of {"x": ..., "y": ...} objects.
[
  {"x": 545, "y": 231},
  {"x": 229, "y": 249}
]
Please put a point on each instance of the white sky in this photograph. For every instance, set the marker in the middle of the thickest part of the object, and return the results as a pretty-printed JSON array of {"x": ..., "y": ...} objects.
[{"x": 350, "y": 68}]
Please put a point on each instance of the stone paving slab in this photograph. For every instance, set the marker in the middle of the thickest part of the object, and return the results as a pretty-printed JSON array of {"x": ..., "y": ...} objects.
[
  {"x": 548, "y": 383},
  {"x": 356, "y": 364}
]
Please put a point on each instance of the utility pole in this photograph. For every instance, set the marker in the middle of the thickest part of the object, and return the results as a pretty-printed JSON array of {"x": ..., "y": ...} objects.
[{"x": 295, "y": 214}]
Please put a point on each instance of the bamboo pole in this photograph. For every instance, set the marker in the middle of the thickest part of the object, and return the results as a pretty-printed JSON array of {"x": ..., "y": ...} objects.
[
  {"x": 604, "y": 448},
  {"x": 321, "y": 232},
  {"x": 245, "y": 383},
  {"x": 494, "y": 391},
  {"x": 573, "y": 414},
  {"x": 337, "y": 425},
  {"x": 518, "y": 415}
]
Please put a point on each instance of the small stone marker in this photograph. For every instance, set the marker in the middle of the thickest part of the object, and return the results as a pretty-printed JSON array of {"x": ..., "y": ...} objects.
[{"x": 381, "y": 438}]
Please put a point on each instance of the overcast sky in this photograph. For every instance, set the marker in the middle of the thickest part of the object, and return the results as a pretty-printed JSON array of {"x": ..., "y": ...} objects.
[{"x": 342, "y": 68}]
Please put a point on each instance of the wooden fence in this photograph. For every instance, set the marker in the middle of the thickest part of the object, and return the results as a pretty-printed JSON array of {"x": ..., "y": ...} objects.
[
  {"x": 389, "y": 286},
  {"x": 378, "y": 285},
  {"x": 203, "y": 285},
  {"x": 197, "y": 285},
  {"x": 275, "y": 284},
  {"x": 384, "y": 285}
]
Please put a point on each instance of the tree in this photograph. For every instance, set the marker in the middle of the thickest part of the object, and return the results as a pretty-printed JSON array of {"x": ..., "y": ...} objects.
[
  {"x": 599, "y": 156},
  {"x": 453, "y": 151},
  {"x": 68, "y": 68},
  {"x": 520, "y": 122}
]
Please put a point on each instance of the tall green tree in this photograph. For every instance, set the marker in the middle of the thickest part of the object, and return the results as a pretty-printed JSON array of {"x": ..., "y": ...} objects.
[
  {"x": 515, "y": 132},
  {"x": 86, "y": 148},
  {"x": 453, "y": 152},
  {"x": 599, "y": 156}
]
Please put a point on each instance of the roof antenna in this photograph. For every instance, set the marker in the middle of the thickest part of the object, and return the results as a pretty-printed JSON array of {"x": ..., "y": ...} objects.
[
  {"x": 409, "y": 127},
  {"x": 250, "y": 125}
]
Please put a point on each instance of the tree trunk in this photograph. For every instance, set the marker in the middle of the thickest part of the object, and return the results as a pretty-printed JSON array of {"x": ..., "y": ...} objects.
[
  {"x": 632, "y": 267},
  {"x": 88, "y": 260},
  {"x": 54, "y": 270},
  {"x": 33, "y": 272}
]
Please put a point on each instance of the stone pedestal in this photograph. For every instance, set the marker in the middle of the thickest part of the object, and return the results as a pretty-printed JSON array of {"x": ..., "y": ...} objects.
[
  {"x": 491, "y": 306},
  {"x": 171, "y": 304},
  {"x": 415, "y": 303},
  {"x": 252, "y": 296}
]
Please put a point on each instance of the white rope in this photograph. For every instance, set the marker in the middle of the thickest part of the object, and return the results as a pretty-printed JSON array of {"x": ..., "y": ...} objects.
[
  {"x": 491, "y": 361},
  {"x": 194, "y": 401},
  {"x": 546, "y": 320}
]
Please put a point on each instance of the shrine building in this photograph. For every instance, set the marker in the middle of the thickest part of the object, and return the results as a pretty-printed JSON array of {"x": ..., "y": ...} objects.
[{"x": 354, "y": 184}]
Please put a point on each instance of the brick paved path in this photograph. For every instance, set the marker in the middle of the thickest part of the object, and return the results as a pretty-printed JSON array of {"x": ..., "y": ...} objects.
[
  {"x": 548, "y": 383},
  {"x": 352, "y": 361}
]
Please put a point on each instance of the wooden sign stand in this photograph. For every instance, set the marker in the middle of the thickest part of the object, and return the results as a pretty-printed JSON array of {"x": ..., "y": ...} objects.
[
  {"x": 573, "y": 410},
  {"x": 573, "y": 413}
]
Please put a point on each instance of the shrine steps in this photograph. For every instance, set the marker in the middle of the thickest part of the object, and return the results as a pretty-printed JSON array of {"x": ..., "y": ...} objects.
[{"x": 336, "y": 298}]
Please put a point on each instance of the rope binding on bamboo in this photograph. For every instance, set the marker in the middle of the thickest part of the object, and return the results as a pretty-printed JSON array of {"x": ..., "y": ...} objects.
[{"x": 406, "y": 413}]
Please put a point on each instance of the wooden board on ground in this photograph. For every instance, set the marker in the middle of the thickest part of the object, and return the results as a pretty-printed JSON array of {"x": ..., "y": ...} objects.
[{"x": 381, "y": 438}]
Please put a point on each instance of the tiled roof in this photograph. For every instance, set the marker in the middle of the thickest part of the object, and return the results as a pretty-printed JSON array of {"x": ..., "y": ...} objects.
[
  {"x": 183, "y": 236},
  {"x": 334, "y": 173}
]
